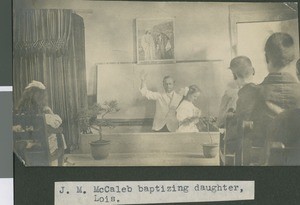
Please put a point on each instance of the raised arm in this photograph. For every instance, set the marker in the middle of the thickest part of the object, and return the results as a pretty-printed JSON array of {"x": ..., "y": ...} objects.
[{"x": 150, "y": 95}]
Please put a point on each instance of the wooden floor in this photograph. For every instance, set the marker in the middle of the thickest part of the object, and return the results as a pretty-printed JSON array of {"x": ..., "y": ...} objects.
[
  {"x": 148, "y": 149},
  {"x": 143, "y": 159}
]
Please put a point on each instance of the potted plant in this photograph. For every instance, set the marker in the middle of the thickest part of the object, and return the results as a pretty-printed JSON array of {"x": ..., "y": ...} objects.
[
  {"x": 210, "y": 150},
  {"x": 88, "y": 119}
]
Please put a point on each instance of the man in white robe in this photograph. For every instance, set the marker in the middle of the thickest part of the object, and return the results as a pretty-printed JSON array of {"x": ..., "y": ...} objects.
[{"x": 166, "y": 105}]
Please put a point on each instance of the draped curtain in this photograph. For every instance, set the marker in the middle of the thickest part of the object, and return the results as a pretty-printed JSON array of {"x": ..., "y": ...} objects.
[{"x": 49, "y": 47}]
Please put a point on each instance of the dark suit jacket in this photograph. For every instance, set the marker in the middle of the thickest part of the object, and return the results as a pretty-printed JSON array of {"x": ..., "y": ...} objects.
[
  {"x": 285, "y": 129},
  {"x": 244, "y": 106},
  {"x": 278, "y": 92}
]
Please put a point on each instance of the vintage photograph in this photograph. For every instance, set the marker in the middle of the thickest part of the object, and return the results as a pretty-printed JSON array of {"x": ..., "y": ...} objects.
[
  {"x": 155, "y": 40},
  {"x": 97, "y": 83}
]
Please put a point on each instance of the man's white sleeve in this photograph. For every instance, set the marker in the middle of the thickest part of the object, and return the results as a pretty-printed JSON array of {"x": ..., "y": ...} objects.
[{"x": 149, "y": 94}]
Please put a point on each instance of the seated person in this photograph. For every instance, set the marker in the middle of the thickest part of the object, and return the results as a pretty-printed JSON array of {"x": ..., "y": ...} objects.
[
  {"x": 166, "y": 104},
  {"x": 280, "y": 89},
  {"x": 34, "y": 102},
  {"x": 187, "y": 114},
  {"x": 228, "y": 103},
  {"x": 243, "y": 71},
  {"x": 284, "y": 139}
]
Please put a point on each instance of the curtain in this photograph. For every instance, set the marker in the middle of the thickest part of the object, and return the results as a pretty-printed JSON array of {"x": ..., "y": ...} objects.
[{"x": 49, "y": 47}]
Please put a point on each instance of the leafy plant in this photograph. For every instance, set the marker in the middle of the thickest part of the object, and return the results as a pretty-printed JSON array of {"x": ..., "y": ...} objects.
[
  {"x": 88, "y": 117},
  {"x": 209, "y": 123}
]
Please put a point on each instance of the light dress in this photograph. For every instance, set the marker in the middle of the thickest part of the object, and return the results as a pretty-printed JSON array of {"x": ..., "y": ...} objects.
[
  {"x": 187, "y": 110},
  {"x": 54, "y": 121}
]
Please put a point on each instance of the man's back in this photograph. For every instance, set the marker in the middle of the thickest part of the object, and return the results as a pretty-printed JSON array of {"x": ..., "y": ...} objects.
[{"x": 278, "y": 92}]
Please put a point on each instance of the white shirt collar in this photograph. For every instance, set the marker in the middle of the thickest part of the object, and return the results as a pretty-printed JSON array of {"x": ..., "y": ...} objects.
[{"x": 170, "y": 93}]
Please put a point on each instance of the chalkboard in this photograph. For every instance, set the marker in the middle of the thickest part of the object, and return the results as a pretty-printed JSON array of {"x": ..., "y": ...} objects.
[{"x": 121, "y": 82}]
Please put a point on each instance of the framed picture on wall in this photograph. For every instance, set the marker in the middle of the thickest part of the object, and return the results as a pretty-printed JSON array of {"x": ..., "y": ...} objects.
[{"x": 155, "y": 40}]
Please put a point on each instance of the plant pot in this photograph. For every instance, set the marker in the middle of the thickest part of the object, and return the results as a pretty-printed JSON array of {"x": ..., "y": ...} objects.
[
  {"x": 100, "y": 149},
  {"x": 210, "y": 150},
  {"x": 84, "y": 142}
]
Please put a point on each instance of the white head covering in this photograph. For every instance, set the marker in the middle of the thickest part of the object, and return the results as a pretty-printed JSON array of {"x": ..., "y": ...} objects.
[
  {"x": 36, "y": 84},
  {"x": 186, "y": 90}
]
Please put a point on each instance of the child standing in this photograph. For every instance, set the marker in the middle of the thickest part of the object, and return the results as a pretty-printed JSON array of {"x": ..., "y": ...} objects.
[{"x": 187, "y": 114}]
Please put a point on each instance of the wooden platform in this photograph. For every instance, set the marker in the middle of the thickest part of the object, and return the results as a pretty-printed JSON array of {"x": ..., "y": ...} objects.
[
  {"x": 143, "y": 159},
  {"x": 149, "y": 149}
]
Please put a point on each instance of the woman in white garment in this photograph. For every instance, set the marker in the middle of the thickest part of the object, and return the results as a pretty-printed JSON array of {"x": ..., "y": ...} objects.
[
  {"x": 187, "y": 113},
  {"x": 147, "y": 43}
]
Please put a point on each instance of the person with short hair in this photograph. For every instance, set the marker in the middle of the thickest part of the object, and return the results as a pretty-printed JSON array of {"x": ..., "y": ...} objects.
[
  {"x": 187, "y": 113},
  {"x": 166, "y": 104},
  {"x": 243, "y": 71},
  {"x": 242, "y": 67},
  {"x": 279, "y": 52},
  {"x": 279, "y": 91}
]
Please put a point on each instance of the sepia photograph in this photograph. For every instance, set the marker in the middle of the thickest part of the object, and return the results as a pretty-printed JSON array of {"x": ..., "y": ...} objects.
[{"x": 122, "y": 83}]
